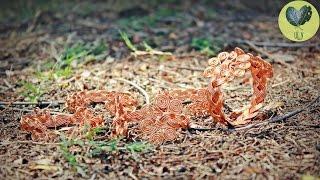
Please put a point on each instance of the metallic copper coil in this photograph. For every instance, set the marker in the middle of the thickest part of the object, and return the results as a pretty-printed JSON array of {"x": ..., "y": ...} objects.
[
  {"x": 162, "y": 101},
  {"x": 177, "y": 121},
  {"x": 85, "y": 98},
  {"x": 231, "y": 65},
  {"x": 170, "y": 111},
  {"x": 198, "y": 108},
  {"x": 157, "y": 138},
  {"x": 58, "y": 120},
  {"x": 175, "y": 106},
  {"x": 170, "y": 134}
]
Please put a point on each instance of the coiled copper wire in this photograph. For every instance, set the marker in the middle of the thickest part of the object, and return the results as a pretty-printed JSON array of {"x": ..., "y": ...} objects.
[
  {"x": 171, "y": 110},
  {"x": 224, "y": 69}
]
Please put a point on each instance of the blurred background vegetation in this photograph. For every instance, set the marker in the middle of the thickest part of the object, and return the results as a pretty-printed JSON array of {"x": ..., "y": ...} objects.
[{"x": 22, "y": 10}]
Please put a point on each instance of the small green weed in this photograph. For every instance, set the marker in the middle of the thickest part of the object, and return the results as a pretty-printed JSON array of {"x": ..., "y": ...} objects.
[
  {"x": 99, "y": 48},
  {"x": 126, "y": 39},
  {"x": 71, "y": 158},
  {"x": 91, "y": 133},
  {"x": 70, "y": 58},
  {"x": 207, "y": 46},
  {"x": 138, "y": 147},
  {"x": 147, "y": 46},
  {"x": 71, "y": 54},
  {"x": 31, "y": 92},
  {"x": 98, "y": 147},
  {"x": 78, "y": 51}
]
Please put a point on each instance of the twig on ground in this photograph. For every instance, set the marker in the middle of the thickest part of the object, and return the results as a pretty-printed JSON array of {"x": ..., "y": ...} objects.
[
  {"x": 272, "y": 120},
  {"x": 280, "y": 83},
  {"x": 28, "y": 110},
  {"x": 264, "y": 53},
  {"x": 153, "y": 52},
  {"x": 187, "y": 68},
  {"x": 198, "y": 128},
  {"x": 52, "y": 103},
  {"x": 274, "y": 59},
  {"x": 27, "y": 142},
  {"x": 145, "y": 94}
]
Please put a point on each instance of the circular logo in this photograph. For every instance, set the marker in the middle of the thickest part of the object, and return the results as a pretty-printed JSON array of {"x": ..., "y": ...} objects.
[{"x": 298, "y": 21}]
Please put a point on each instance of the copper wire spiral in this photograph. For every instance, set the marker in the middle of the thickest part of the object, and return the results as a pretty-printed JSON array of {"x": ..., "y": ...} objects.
[{"x": 159, "y": 121}]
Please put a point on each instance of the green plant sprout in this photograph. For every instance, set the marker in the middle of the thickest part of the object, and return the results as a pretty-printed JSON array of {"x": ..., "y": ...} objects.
[
  {"x": 147, "y": 46},
  {"x": 127, "y": 41},
  {"x": 71, "y": 158},
  {"x": 148, "y": 49},
  {"x": 31, "y": 92},
  {"x": 207, "y": 46}
]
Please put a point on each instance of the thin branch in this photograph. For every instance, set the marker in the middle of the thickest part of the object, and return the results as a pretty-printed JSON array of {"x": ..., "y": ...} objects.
[
  {"x": 274, "y": 59},
  {"x": 206, "y": 129},
  {"x": 264, "y": 53},
  {"x": 280, "y": 118},
  {"x": 187, "y": 68},
  {"x": 145, "y": 94},
  {"x": 53, "y": 103},
  {"x": 272, "y": 120},
  {"x": 27, "y": 142},
  {"x": 28, "y": 110},
  {"x": 153, "y": 52}
]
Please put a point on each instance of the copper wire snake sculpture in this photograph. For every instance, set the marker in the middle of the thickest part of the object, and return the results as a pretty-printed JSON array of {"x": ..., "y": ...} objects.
[{"x": 161, "y": 120}]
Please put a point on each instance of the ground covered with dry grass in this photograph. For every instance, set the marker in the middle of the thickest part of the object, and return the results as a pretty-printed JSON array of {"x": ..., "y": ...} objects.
[{"x": 48, "y": 52}]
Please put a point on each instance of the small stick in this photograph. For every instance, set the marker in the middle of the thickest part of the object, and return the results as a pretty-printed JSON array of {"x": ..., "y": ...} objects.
[
  {"x": 32, "y": 103},
  {"x": 145, "y": 94},
  {"x": 272, "y": 120},
  {"x": 281, "y": 83},
  {"x": 28, "y": 110},
  {"x": 187, "y": 68},
  {"x": 27, "y": 142},
  {"x": 153, "y": 52},
  {"x": 259, "y": 50},
  {"x": 272, "y": 58},
  {"x": 280, "y": 118}
]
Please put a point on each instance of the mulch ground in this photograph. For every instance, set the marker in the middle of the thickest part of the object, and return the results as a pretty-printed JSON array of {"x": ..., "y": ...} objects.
[{"x": 285, "y": 150}]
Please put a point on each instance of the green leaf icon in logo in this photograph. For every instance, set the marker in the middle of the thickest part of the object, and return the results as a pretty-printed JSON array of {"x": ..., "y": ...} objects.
[{"x": 298, "y": 17}]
